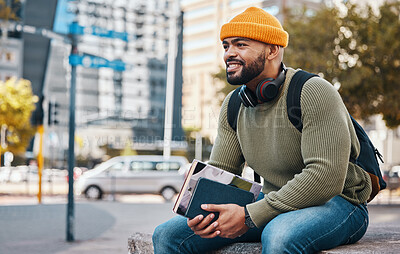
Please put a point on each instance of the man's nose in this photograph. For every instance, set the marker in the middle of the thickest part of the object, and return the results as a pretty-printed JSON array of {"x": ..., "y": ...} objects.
[{"x": 230, "y": 52}]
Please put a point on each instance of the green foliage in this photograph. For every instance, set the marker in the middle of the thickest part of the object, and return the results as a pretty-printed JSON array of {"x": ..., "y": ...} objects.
[
  {"x": 16, "y": 105},
  {"x": 360, "y": 50},
  {"x": 311, "y": 42},
  {"x": 9, "y": 9},
  {"x": 375, "y": 41},
  {"x": 128, "y": 149}
]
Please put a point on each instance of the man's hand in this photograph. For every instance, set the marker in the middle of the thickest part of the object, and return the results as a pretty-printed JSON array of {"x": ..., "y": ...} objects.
[
  {"x": 201, "y": 226},
  {"x": 230, "y": 223}
]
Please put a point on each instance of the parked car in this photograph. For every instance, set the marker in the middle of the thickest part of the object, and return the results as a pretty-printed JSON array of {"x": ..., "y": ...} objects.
[
  {"x": 392, "y": 178},
  {"x": 134, "y": 174}
]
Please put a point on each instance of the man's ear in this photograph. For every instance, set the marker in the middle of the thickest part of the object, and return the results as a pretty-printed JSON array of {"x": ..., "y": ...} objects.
[{"x": 272, "y": 52}]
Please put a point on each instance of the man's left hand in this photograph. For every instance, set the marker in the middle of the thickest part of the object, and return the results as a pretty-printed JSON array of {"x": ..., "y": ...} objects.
[{"x": 230, "y": 221}]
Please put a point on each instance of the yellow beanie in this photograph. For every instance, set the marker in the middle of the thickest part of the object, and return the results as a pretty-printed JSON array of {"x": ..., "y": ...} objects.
[{"x": 257, "y": 24}]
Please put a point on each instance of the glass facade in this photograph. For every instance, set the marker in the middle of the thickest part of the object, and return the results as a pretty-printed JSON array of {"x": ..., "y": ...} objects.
[{"x": 119, "y": 102}]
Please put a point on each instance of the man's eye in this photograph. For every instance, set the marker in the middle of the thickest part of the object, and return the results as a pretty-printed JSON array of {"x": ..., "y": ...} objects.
[
  {"x": 225, "y": 46},
  {"x": 240, "y": 44}
]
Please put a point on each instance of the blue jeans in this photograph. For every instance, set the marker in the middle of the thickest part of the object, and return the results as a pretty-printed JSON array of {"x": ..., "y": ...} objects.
[{"x": 307, "y": 230}]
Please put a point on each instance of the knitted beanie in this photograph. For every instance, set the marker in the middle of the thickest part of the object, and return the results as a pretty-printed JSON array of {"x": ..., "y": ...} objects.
[{"x": 257, "y": 24}]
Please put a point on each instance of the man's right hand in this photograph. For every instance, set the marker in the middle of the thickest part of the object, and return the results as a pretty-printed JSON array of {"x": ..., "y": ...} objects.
[{"x": 201, "y": 226}]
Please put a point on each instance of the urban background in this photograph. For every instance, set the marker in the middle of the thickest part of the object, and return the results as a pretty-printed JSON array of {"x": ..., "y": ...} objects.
[{"x": 146, "y": 77}]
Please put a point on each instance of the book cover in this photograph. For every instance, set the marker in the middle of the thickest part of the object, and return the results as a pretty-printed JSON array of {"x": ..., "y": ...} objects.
[
  {"x": 211, "y": 192},
  {"x": 200, "y": 169}
]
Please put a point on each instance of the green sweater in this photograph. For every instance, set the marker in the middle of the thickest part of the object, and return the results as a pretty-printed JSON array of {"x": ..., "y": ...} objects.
[{"x": 299, "y": 169}]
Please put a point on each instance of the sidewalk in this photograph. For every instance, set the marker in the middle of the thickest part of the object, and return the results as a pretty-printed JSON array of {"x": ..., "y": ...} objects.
[{"x": 101, "y": 227}]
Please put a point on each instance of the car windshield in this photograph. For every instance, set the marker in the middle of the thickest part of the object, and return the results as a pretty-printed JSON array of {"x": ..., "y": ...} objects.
[
  {"x": 116, "y": 167},
  {"x": 167, "y": 166},
  {"x": 154, "y": 166},
  {"x": 141, "y": 166}
]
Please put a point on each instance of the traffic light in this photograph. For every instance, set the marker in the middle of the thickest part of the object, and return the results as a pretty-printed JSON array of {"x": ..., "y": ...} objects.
[
  {"x": 37, "y": 115},
  {"x": 55, "y": 113},
  {"x": 52, "y": 113}
]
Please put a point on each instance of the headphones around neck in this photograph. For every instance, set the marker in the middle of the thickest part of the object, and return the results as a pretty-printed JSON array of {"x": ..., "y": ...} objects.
[{"x": 266, "y": 90}]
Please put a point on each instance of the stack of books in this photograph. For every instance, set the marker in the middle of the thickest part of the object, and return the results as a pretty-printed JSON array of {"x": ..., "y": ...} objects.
[{"x": 206, "y": 184}]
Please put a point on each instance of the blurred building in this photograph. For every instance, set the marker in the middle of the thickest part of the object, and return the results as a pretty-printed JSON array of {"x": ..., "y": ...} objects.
[
  {"x": 11, "y": 42},
  {"x": 10, "y": 58},
  {"x": 203, "y": 54},
  {"x": 115, "y": 108},
  {"x": 37, "y": 47}
]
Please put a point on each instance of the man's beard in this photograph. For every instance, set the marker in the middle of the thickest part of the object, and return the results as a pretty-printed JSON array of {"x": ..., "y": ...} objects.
[{"x": 248, "y": 72}]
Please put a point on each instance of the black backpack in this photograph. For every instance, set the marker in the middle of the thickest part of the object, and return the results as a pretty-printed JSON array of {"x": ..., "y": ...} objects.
[{"x": 368, "y": 157}]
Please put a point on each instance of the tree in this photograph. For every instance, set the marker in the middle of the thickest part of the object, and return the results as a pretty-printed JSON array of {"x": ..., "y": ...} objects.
[
  {"x": 9, "y": 9},
  {"x": 16, "y": 105},
  {"x": 312, "y": 42},
  {"x": 358, "y": 51},
  {"x": 369, "y": 50},
  {"x": 128, "y": 149}
]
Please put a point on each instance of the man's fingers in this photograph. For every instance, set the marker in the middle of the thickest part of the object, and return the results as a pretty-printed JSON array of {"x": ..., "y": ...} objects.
[
  {"x": 195, "y": 221},
  {"x": 208, "y": 232},
  {"x": 204, "y": 223},
  {"x": 214, "y": 234},
  {"x": 199, "y": 222},
  {"x": 201, "y": 226},
  {"x": 212, "y": 207}
]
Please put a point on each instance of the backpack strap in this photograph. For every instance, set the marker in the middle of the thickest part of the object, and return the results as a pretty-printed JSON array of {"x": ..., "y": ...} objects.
[
  {"x": 233, "y": 108},
  {"x": 293, "y": 97},
  {"x": 232, "y": 115}
]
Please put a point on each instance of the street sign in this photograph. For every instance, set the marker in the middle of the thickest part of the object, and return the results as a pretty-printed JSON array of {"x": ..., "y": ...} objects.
[
  {"x": 90, "y": 61},
  {"x": 77, "y": 29}
]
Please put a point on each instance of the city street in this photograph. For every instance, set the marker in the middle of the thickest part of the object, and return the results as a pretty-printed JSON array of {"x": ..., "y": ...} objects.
[
  {"x": 104, "y": 226},
  {"x": 100, "y": 226}
]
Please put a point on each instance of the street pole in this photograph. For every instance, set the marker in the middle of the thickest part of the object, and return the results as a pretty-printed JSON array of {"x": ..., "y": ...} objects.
[
  {"x": 169, "y": 95},
  {"x": 71, "y": 146},
  {"x": 40, "y": 162},
  {"x": 3, "y": 144}
]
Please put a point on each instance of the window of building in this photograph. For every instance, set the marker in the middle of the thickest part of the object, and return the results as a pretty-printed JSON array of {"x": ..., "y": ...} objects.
[
  {"x": 238, "y": 3},
  {"x": 199, "y": 28},
  {"x": 197, "y": 13},
  {"x": 10, "y": 56},
  {"x": 199, "y": 59},
  {"x": 197, "y": 44},
  {"x": 187, "y": 2}
]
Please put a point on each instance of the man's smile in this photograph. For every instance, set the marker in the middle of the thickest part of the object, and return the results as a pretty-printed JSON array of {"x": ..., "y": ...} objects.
[{"x": 233, "y": 65}]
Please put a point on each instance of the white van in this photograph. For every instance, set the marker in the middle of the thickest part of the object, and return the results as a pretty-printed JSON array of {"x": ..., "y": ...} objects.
[{"x": 134, "y": 174}]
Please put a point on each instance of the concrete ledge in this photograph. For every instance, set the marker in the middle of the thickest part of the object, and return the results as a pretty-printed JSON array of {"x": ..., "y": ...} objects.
[
  {"x": 378, "y": 239},
  {"x": 140, "y": 243},
  {"x": 382, "y": 240}
]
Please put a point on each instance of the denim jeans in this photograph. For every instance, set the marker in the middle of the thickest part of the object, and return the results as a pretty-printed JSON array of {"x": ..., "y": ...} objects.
[{"x": 307, "y": 230}]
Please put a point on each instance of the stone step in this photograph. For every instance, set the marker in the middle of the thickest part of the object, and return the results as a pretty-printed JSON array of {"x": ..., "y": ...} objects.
[{"x": 382, "y": 240}]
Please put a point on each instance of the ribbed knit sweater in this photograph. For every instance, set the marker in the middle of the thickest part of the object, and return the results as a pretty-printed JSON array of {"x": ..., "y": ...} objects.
[{"x": 299, "y": 169}]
